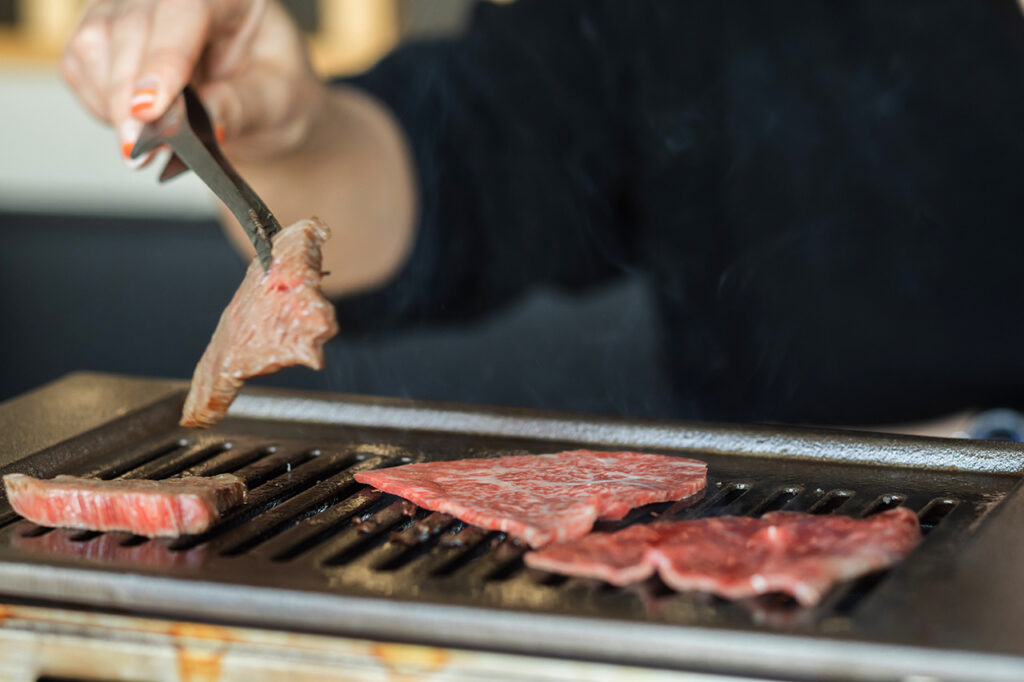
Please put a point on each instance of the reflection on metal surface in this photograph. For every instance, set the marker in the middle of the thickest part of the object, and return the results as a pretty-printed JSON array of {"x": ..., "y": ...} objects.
[{"x": 114, "y": 548}]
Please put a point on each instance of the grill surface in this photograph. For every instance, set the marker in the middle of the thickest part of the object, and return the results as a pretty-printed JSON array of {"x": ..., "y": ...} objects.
[{"x": 310, "y": 530}]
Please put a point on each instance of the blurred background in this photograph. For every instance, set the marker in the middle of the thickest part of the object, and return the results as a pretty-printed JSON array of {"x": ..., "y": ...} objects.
[{"x": 104, "y": 269}]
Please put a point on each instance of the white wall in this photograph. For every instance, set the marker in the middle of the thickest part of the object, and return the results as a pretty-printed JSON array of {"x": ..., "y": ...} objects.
[{"x": 55, "y": 158}]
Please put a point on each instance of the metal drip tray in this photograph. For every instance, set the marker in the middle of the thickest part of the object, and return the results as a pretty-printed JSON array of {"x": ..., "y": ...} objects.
[{"x": 314, "y": 550}]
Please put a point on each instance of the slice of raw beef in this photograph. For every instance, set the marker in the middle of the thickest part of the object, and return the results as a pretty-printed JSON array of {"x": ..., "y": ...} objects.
[
  {"x": 276, "y": 319},
  {"x": 799, "y": 554},
  {"x": 543, "y": 498},
  {"x": 618, "y": 558},
  {"x": 167, "y": 508}
]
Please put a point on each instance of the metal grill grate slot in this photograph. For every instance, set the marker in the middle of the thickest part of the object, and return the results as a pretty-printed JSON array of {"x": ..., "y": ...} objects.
[
  {"x": 34, "y": 531},
  {"x": 504, "y": 562},
  {"x": 883, "y": 503},
  {"x": 456, "y": 550},
  {"x": 727, "y": 501},
  {"x": 556, "y": 580},
  {"x": 776, "y": 501},
  {"x": 134, "y": 540},
  {"x": 335, "y": 486},
  {"x": 935, "y": 511},
  {"x": 175, "y": 462},
  {"x": 274, "y": 464},
  {"x": 271, "y": 482},
  {"x": 414, "y": 541},
  {"x": 130, "y": 463},
  {"x": 84, "y": 536},
  {"x": 370, "y": 531},
  {"x": 232, "y": 458},
  {"x": 831, "y": 501},
  {"x": 328, "y": 524}
]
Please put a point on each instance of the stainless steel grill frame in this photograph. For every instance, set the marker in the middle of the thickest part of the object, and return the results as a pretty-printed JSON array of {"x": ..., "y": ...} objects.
[{"x": 314, "y": 551}]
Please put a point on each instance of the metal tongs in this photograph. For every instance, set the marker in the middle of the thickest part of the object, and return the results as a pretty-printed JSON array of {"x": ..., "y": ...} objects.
[{"x": 185, "y": 127}]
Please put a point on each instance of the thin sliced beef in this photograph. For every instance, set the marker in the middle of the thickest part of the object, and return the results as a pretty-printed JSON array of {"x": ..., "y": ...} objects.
[
  {"x": 799, "y": 554},
  {"x": 618, "y": 558},
  {"x": 168, "y": 508},
  {"x": 276, "y": 319},
  {"x": 543, "y": 498}
]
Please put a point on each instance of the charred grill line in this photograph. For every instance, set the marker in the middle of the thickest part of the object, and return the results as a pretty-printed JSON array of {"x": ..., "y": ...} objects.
[
  {"x": 121, "y": 468},
  {"x": 229, "y": 460},
  {"x": 387, "y": 546},
  {"x": 271, "y": 466},
  {"x": 413, "y": 542},
  {"x": 369, "y": 533},
  {"x": 505, "y": 561},
  {"x": 335, "y": 519},
  {"x": 174, "y": 463},
  {"x": 476, "y": 542},
  {"x": 287, "y": 476},
  {"x": 320, "y": 497}
]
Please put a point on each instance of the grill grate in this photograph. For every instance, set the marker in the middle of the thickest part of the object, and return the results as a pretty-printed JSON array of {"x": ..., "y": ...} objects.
[
  {"x": 314, "y": 551},
  {"x": 306, "y": 513}
]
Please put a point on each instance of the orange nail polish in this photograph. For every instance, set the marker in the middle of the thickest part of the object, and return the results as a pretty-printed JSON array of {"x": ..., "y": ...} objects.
[
  {"x": 126, "y": 149},
  {"x": 218, "y": 131},
  {"x": 142, "y": 99}
]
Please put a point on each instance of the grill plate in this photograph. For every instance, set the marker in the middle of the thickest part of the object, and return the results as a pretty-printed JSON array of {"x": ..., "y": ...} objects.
[{"x": 314, "y": 550}]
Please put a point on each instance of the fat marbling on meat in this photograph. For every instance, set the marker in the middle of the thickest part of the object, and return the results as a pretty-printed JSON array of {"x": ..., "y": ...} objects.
[
  {"x": 276, "y": 319},
  {"x": 167, "y": 508},
  {"x": 799, "y": 554},
  {"x": 543, "y": 498}
]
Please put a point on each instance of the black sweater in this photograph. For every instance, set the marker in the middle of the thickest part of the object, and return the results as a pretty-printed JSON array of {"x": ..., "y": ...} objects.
[{"x": 825, "y": 197}]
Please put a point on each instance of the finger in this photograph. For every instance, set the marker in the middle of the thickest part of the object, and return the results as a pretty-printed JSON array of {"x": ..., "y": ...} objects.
[
  {"x": 130, "y": 29},
  {"x": 241, "y": 27},
  {"x": 73, "y": 73},
  {"x": 178, "y": 33},
  {"x": 89, "y": 46}
]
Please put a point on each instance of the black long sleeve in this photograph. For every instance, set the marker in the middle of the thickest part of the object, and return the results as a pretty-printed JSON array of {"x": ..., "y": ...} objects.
[
  {"x": 518, "y": 148},
  {"x": 824, "y": 197}
]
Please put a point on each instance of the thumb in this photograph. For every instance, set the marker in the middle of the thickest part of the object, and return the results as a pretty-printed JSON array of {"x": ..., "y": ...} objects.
[{"x": 178, "y": 34}]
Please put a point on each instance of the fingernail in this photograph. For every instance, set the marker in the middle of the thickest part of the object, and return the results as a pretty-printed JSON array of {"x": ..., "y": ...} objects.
[
  {"x": 218, "y": 131},
  {"x": 128, "y": 132},
  {"x": 144, "y": 95}
]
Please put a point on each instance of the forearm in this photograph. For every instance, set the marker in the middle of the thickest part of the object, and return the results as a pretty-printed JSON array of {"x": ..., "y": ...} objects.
[{"x": 354, "y": 171}]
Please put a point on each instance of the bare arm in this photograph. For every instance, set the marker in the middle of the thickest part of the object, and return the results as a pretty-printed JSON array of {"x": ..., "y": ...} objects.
[
  {"x": 353, "y": 171},
  {"x": 307, "y": 149}
]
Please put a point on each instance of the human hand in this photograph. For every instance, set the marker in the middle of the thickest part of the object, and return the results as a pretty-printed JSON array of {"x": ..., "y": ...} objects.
[{"x": 128, "y": 59}]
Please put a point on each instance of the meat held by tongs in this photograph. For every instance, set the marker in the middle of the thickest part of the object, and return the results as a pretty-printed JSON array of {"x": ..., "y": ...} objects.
[{"x": 278, "y": 317}]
